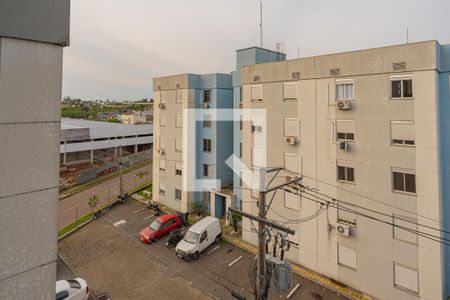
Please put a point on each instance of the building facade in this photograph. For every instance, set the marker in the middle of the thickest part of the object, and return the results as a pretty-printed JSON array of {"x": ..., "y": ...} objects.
[
  {"x": 188, "y": 149},
  {"x": 32, "y": 37},
  {"x": 369, "y": 128}
]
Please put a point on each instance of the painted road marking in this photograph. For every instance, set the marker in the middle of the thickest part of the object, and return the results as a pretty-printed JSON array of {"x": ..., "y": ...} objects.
[
  {"x": 293, "y": 291},
  {"x": 119, "y": 223},
  {"x": 214, "y": 249},
  {"x": 139, "y": 210},
  {"x": 234, "y": 261},
  {"x": 146, "y": 218}
]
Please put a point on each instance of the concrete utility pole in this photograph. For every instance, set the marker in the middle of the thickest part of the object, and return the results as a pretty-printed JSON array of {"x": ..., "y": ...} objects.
[
  {"x": 261, "y": 282},
  {"x": 120, "y": 170}
]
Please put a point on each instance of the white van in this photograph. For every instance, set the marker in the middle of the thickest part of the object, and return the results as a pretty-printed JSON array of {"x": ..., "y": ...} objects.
[{"x": 201, "y": 235}]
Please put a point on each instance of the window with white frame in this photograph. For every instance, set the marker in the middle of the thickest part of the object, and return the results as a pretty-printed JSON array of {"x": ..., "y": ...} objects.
[
  {"x": 178, "y": 195},
  {"x": 179, "y": 121},
  {"x": 178, "y": 145},
  {"x": 206, "y": 96},
  {"x": 291, "y": 127},
  {"x": 345, "y": 171},
  {"x": 345, "y": 130},
  {"x": 401, "y": 87},
  {"x": 346, "y": 213},
  {"x": 162, "y": 143},
  {"x": 402, "y": 133},
  {"x": 403, "y": 180},
  {"x": 257, "y": 125},
  {"x": 162, "y": 120},
  {"x": 179, "y": 96},
  {"x": 291, "y": 162},
  {"x": 291, "y": 200},
  {"x": 206, "y": 145},
  {"x": 344, "y": 89},
  {"x": 178, "y": 168},
  {"x": 346, "y": 256},
  {"x": 162, "y": 165},
  {"x": 290, "y": 91},
  {"x": 406, "y": 278},
  {"x": 206, "y": 196},
  {"x": 404, "y": 228},
  {"x": 162, "y": 189},
  {"x": 162, "y": 97},
  {"x": 257, "y": 92}
]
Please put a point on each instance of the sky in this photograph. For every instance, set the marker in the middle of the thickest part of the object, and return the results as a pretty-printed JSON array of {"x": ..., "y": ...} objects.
[{"x": 118, "y": 46}]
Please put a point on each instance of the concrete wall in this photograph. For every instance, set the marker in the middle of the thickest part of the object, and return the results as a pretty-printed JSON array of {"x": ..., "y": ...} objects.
[
  {"x": 372, "y": 156},
  {"x": 30, "y": 94}
]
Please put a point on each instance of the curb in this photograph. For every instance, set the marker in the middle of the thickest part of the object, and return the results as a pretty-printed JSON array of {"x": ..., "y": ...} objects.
[{"x": 305, "y": 273}]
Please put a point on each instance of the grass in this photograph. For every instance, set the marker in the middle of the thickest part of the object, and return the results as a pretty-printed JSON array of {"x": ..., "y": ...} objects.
[
  {"x": 140, "y": 188},
  {"x": 74, "y": 225},
  {"x": 148, "y": 189},
  {"x": 81, "y": 187}
]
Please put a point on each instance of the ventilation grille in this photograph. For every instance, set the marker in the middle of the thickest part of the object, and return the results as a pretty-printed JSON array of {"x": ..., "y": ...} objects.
[
  {"x": 334, "y": 72},
  {"x": 296, "y": 75},
  {"x": 256, "y": 78},
  {"x": 399, "y": 66}
]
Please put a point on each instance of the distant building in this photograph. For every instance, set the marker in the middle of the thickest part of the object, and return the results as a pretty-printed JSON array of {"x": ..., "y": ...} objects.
[
  {"x": 83, "y": 141},
  {"x": 137, "y": 117}
]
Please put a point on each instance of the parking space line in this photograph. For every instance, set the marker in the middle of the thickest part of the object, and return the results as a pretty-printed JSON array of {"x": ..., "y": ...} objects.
[
  {"x": 139, "y": 210},
  {"x": 214, "y": 249},
  {"x": 293, "y": 291},
  {"x": 234, "y": 261},
  {"x": 146, "y": 218}
]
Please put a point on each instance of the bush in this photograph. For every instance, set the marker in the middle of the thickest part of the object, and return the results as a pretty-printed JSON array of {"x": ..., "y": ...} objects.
[{"x": 199, "y": 207}]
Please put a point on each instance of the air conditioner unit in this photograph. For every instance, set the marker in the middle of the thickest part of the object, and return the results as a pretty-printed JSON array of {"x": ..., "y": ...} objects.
[
  {"x": 205, "y": 105},
  {"x": 343, "y": 105},
  {"x": 161, "y": 151},
  {"x": 161, "y": 105},
  {"x": 292, "y": 140},
  {"x": 344, "y": 146},
  {"x": 343, "y": 229}
]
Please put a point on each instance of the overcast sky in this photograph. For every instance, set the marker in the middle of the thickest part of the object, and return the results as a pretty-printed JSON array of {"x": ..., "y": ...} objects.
[{"x": 118, "y": 46}]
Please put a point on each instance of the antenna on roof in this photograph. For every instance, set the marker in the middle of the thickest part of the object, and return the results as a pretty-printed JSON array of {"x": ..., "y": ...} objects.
[
  {"x": 298, "y": 52},
  {"x": 407, "y": 35},
  {"x": 260, "y": 24}
]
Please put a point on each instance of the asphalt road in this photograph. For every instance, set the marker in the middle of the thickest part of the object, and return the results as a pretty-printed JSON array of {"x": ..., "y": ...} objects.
[
  {"x": 112, "y": 259},
  {"x": 76, "y": 206}
]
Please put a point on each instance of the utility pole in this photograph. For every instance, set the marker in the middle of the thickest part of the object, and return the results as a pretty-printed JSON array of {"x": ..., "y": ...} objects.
[
  {"x": 120, "y": 170},
  {"x": 260, "y": 24},
  {"x": 261, "y": 282}
]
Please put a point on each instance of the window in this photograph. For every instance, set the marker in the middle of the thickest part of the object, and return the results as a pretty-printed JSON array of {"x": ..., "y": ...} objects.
[
  {"x": 406, "y": 278},
  {"x": 178, "y": 145},
  {"x": 257, "y": 92},
  {"x": 240, "y": 149},
  {"x": 162, "y": 97},
  {"x": 162, "y": 189},
  {"x": 346, "y": 213},
  {"x": 402, "y": 133},
  {"x": 346, "y": 173},
  {"x": 178, "y": 168},
  {"x": 206, "y": 96},
  {"x": 162, "y": 164},
  {"x": 207, "y": 121},
  {"x": 290, "y": 91},
  {"x": 162, "y": 120},
  {"x": 206, "y": 145},
  {"x": 74, "y": 284},
  {"x": 346, "y": 256},
  {"x": 177, "y": 195},
  {"x": 291, "y": 162},
  {"x": 401, "y": 88},
  {"x": 404, "y": 182},
  {"x": 344, "y": 90},
  {"x": 179, "y": 96},
  {"x": 256, "y": 129},
  {"x": 179, "y": 121},
  {"x": 257, "y": 125},
  {"x": 205, "y": 170},
  {"x": 204, "y": 236},
  {"x": 291, "y": 127},
  {"x": 206, "y": 196},
  {"x": 291, "y": 201},
  {"x": 162, "y": 143},
  {"x": 62, "y": 295},
  {"x": 345, "y": 130},
  {"x": 401, "y": 223}
]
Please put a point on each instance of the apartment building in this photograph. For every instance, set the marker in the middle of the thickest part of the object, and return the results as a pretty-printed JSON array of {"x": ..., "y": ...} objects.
[
  {"x": 369, "y": 128},
  {"x": 190, "y": 146},
  {"x": 32, "y": 37}
]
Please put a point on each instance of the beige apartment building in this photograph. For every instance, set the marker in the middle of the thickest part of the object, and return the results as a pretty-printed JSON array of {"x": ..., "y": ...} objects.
[{"x": 366, "y": 127}]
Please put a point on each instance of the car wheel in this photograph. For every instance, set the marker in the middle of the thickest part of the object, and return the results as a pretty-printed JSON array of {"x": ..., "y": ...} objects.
[
  {"x": 217, "y": 240},
  {"x": 195, "y": 255}
]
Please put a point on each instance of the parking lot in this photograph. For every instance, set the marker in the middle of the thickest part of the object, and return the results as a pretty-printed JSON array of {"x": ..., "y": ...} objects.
[{"x": 109, "y": 255}]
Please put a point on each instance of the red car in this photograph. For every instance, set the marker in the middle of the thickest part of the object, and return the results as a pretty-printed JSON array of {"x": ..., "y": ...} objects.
[{"x": 160, "y": 227}]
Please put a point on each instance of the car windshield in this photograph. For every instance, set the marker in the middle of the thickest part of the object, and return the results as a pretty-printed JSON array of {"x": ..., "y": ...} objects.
[
  {"x": 155, "y": 225},
  {"x": 191, "y": 237},
  {"x": 74, "y": 284}
]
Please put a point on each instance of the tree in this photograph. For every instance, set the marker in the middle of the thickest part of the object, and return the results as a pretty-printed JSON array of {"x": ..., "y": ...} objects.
[
  {"x": 198, "y": 207},
  {"x": 93, "y": 201}
]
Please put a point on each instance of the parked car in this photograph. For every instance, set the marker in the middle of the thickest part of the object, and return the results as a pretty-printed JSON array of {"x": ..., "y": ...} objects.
[
  {"x": 160, "y": 227},
  {"x": 199, "y": 237},
  {"x": 72, "y": 289}
]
